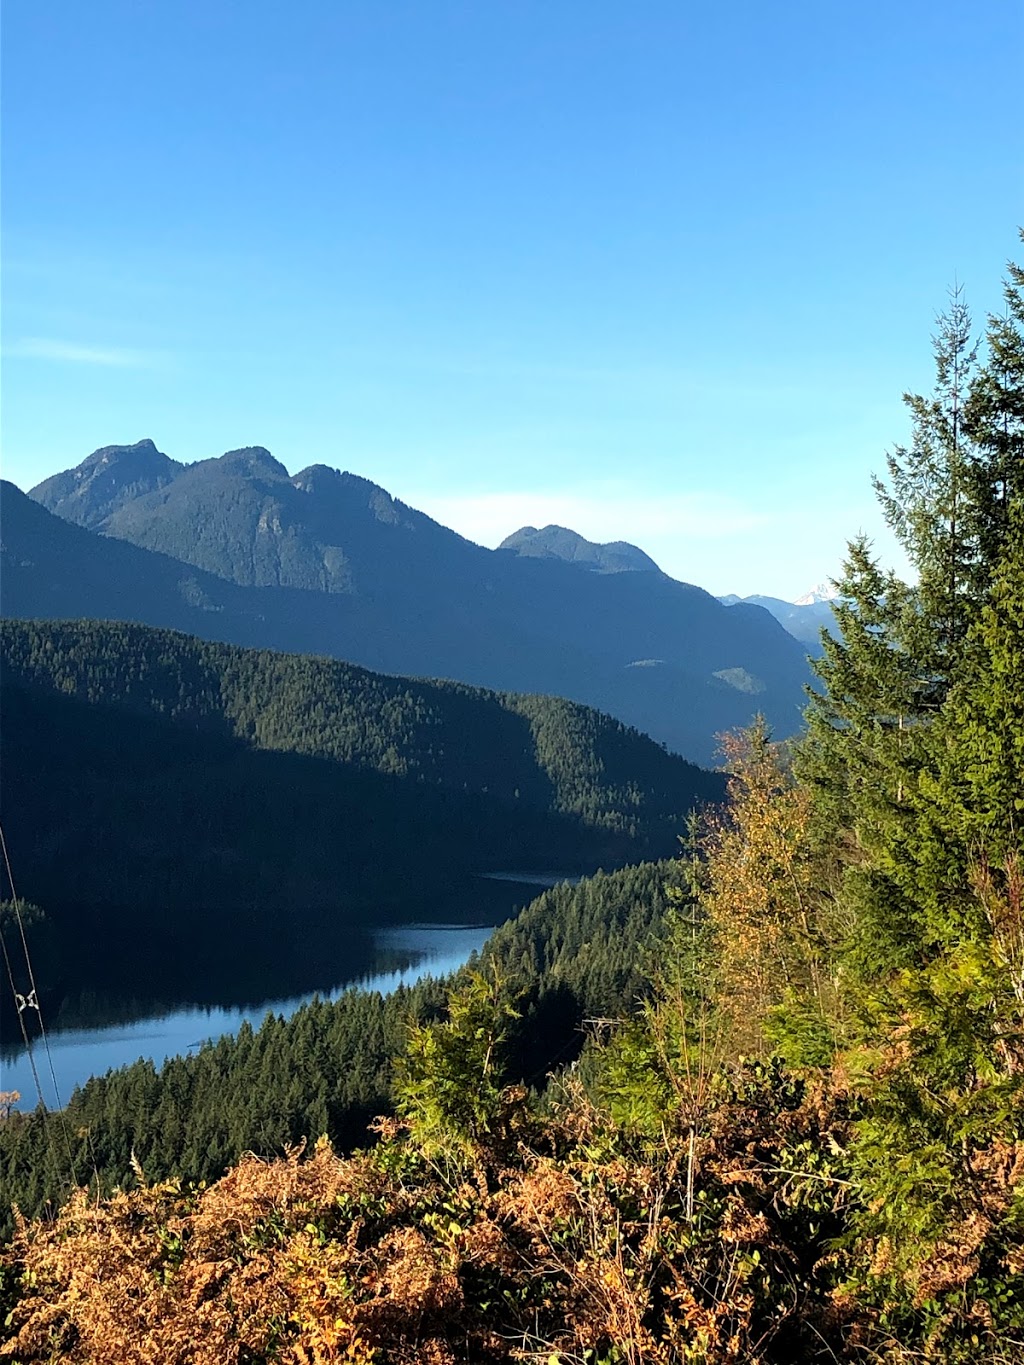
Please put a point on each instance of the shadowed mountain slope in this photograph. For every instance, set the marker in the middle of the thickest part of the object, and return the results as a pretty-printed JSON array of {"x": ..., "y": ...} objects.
[
  {"x": 540, "y": 753},
  {"x": 327, "y": 562}
]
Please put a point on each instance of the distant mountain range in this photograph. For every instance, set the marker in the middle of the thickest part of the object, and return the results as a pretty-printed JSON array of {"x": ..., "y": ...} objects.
[
  {"x": 236, "y": 549},
  {"x": 804, "y": 619},
  {"x": 557, "y": 542}
]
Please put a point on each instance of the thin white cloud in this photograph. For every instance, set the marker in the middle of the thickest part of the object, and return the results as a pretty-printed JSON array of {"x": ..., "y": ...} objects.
[
  {"x": 645, "y": 520},
  {"x": 45, "y": 348}
]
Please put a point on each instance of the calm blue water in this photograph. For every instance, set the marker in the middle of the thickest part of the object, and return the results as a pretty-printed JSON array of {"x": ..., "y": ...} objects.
[{"x": 76, "y": 1054}]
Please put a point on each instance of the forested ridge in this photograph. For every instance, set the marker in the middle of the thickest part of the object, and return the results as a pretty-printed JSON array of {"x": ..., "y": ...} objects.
[
  {"x": 165, "y": 797},
  {"x": 541, "y": 751},
  {"x": 806, "y": 1142}
]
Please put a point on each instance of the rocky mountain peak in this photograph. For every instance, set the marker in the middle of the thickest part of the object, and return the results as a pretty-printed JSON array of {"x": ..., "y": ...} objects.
[
  {"x": 559, "y": 542},
  {"x": 106, "y": 480}
]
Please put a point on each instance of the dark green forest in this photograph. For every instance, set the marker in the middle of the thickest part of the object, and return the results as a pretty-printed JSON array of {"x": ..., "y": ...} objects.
[
  {"x": 190, "y": 815},
  {"x": 543, "y": 752}
]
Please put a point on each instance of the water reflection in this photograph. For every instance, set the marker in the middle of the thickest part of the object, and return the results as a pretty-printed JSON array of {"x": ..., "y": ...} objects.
[
  {"x": 94, "y": 1033},
  {"x": 411, "y": 951}
]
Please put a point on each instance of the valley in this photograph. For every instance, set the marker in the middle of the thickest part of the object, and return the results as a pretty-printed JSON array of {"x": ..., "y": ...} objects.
[
  {"x": 96, "y": 1032},
  {"x": 201, "y": 819}
]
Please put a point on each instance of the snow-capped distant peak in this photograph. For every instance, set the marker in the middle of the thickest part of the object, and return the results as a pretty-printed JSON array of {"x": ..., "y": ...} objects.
[{"x": 821, "y": 592}]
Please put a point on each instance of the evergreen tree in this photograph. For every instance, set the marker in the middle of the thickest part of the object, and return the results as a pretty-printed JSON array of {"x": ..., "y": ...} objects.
[
  {"x": 995, "y": 418},
  {"x": 872, "y": 746},
  {"x": 859, "y": 755},
  {"x": 941, "y": 1074},
  {"x": 916, "y": 758},
  {"x": 982, "y": 762},
  {"x": 927, "y": 503},
  {"x": 450, "y": 1083}
]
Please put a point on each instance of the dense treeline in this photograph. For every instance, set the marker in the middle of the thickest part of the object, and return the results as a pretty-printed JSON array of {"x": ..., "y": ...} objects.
[
  {"x": 542, "y": 752},
  {"x": 574, "y": 953},
  {"x": 190, "y": 813}
]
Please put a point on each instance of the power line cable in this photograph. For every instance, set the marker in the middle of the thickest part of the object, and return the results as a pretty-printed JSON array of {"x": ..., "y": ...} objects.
[
  {"x": 19, "y": 1006},
  {"x": 22, "y": 1003},
  {"x": 42, "y": 1108}
]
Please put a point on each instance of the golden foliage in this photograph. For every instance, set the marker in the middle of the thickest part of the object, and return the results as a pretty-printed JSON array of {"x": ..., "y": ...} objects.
[
  {"x": 575, "y": 1247},
  {"x": 160, "y": 1276},
  {"x": 761, "y": 892}
]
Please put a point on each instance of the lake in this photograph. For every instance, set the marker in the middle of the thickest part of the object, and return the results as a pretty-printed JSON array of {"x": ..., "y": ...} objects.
[{"x": 402, "y": 954}]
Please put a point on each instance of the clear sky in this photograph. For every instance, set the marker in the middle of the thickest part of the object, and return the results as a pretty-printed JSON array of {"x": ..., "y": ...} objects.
[{"x": 658, "y": 271}]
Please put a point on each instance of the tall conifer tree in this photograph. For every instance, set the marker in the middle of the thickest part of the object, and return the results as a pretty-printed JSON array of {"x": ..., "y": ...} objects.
[
  {"x": 926, "y": 501},
  {"x": 995, "y": 417},
  {"x": 870, "y": 751}
]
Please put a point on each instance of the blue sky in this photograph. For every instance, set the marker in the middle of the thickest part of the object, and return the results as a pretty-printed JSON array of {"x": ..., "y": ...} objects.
[{"x": 658, "y": 271}]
